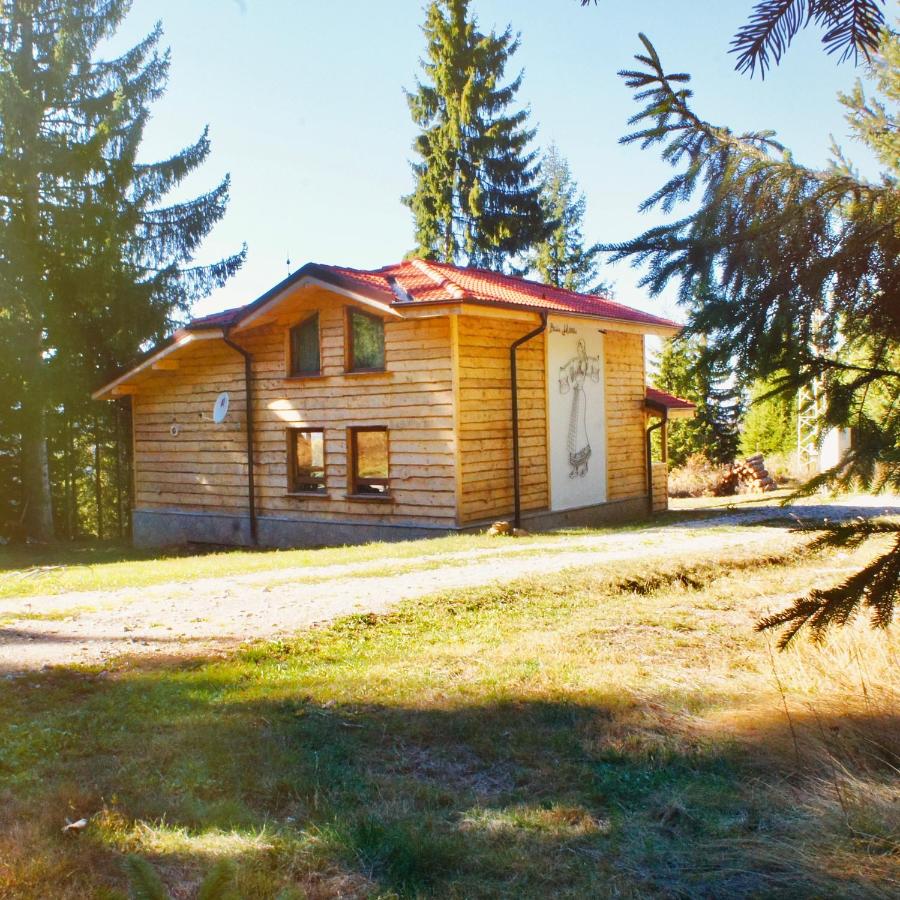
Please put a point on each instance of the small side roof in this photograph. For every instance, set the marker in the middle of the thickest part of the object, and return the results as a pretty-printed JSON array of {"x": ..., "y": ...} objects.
[{"x": 672, "y": 407}]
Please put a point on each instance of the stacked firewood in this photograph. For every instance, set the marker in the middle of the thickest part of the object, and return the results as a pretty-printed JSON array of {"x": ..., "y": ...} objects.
[{"x": 747, "y": 477}]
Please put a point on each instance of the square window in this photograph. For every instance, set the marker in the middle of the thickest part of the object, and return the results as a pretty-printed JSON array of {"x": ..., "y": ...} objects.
[
  {"x": 306, "y": 464},
  {"x": 369, "y": 461},
  {"x": 305, "y": 347},
  {"x": 365, "y": 340}
]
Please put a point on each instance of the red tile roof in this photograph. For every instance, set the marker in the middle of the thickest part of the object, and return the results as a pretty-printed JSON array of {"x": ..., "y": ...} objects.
[
  {"x": 423, "y": 281},
  {"x": 670, "y": 401},
  {"x": 220, "y": 319},
  {"x": 493, "y": 287}
]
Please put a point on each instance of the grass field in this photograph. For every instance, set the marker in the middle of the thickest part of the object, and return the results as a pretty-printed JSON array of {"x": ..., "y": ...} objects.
[{"x": 610, "y": 732}]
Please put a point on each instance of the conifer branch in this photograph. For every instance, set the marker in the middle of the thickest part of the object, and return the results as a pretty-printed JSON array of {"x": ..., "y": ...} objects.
[{"x": 852, "y": 28}]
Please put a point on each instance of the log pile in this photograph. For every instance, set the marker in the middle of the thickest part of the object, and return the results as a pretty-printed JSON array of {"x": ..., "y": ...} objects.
[{"x": 747, "y": 477}]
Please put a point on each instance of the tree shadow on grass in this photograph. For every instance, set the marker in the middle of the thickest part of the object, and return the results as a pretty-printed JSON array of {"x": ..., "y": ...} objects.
[{"x": 535, "y": 798}]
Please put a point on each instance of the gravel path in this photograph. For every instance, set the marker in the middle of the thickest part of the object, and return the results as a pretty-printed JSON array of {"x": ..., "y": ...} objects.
[{"x": 178, "y": 618}]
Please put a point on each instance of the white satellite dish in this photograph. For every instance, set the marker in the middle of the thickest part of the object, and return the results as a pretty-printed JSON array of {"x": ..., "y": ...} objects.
[{"x": 220, "y": 410}]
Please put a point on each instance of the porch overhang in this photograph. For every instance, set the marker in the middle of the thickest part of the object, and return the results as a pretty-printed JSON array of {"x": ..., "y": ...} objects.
[{"x": 668, "y": 406}]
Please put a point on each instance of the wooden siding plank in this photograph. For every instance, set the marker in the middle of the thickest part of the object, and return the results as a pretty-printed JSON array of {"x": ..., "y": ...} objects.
[{"x": 485, "y": 419}]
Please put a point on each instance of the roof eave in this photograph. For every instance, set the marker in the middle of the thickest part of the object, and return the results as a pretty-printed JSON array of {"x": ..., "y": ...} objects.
[
  {"x": 661, "y": 328},
  {"x": 180, "y": 339}
]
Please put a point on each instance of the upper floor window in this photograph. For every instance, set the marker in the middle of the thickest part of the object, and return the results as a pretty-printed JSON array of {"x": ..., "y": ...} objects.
[
  {"x": 304, "y": 340},
  {"x": 365, "y": 342}
]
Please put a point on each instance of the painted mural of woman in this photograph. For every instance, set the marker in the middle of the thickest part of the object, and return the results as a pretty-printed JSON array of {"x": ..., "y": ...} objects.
[{"x": 572, "y": 377}]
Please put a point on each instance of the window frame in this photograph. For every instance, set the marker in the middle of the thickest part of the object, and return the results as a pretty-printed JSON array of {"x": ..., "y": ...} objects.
[
  {"x": 289, "y": 355},
  {"x": 355, "y": 481},
  {"x": 292, "y": 469},
  {"x": 349, "y": 368}
]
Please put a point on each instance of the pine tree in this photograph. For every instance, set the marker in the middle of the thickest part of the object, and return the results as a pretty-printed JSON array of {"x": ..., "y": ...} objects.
[
  {"x": 476, "y": 199},
  {"x": 685, "y": 369},
  {"x": 561, "y": 258},
  {"x": 784, "y": 267},
  {"x": 94, "y": 264}
]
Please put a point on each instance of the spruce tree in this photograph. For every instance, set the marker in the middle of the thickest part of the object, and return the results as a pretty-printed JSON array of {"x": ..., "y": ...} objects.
[
  {"x": 786, "y": 267},
  {"x": 476, "y": 198},
  {"x": 685, "y": 369},
  {"x": 561, "y": 258},
  {"x": 94, "y": 264}
]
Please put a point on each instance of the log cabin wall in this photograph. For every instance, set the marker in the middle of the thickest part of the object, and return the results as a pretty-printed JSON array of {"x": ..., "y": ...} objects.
[
  {"x": 485, "y": 419},
  {"x": 625, "y": 438},
  {"x": 201, "y": 466},
  {"x": 445, "y": 398},
  {"x": 204, "y": 467}
]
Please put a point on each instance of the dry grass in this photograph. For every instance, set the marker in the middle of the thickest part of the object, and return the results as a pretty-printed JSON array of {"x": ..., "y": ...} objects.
[
  {"x": 607, "y": 732},
  {"x": 698, "y": 477}
]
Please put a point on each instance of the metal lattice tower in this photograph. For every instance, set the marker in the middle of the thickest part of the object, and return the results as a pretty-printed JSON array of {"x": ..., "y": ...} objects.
[{"x": 809, "y": 408}]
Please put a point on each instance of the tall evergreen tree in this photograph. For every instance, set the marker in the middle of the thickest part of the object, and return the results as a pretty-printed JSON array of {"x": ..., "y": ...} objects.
[
  {"x": 770, "y": 423},
  {"x": 94, "y": 264},
  {"x": 561, "y": 258},
  {"x": 687, "y": 370},
  {"x": 476, "y": 199},
  {"x": 784, "y": 267}
]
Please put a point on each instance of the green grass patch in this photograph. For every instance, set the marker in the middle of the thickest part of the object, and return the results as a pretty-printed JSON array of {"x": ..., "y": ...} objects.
[{"x": 557, "y": 737}]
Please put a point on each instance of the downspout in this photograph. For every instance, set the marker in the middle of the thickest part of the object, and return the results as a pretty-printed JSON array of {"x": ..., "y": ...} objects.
[
  {"x": 517, "y": 491},
  {"x": 248, "y": 393},
  {"x": 650, "y": 430}
]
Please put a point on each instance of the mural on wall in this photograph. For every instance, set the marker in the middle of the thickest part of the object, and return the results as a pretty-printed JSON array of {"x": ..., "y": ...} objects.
[
  {"x": 572, "y": 377},
  {"x": 577, "y": 413}
]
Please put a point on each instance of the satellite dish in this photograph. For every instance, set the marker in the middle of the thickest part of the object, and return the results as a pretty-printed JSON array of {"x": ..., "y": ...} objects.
[{"x": 220, "y": 410}]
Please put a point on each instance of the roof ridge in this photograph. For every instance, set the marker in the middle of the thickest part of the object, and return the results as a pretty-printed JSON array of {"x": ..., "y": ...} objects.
[
  {"x": 532, "y": 281},
  {"x": 440, "y": 280},
  {"x": 378, "y": 272}
]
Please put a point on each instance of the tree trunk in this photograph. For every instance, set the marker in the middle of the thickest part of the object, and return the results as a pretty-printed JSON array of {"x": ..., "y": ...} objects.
[
  {"x": 69, "y": 477},
  {"x": 98, "y": 486},
  {"x": 128, "y": 461},
  {"x": 38, "y": 518},
  {"x": 120, "y": 517}
]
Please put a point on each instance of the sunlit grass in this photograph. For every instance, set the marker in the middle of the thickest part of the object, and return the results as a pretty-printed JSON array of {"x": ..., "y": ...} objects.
[
  {"x": 617, "y": 731},
  {"x": 24, "y": 574},
  {"x": 27, "y": 571}
]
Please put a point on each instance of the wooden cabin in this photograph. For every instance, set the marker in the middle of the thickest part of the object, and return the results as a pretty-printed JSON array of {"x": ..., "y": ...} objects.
[{"x": 416, "y": 399}]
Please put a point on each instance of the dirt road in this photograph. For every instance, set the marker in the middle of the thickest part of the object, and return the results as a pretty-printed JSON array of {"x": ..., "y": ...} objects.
[{"x": 194, "y": 616}]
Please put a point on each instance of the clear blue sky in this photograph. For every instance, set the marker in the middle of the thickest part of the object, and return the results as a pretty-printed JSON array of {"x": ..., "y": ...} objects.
[{"x": 305, "y": 103}]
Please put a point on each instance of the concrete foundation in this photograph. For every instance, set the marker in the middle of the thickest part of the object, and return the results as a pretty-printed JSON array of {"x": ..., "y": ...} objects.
[
  {"x": 170, "y": 527},
  {"x": 586, "y": 516}
]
